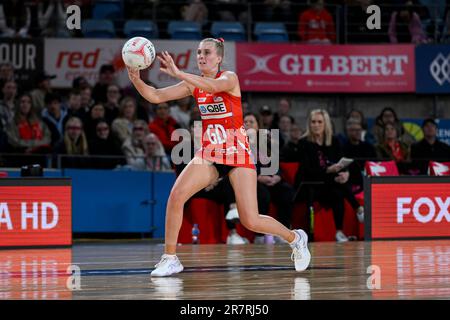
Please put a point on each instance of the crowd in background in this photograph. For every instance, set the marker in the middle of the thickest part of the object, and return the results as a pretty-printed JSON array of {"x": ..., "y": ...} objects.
[{"x": 308, "y": 21}]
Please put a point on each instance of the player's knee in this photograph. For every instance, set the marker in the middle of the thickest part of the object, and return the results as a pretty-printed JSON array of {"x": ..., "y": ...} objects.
[
  {"x": 177, "y": 197},
  {"x": 250, "y": 223}
]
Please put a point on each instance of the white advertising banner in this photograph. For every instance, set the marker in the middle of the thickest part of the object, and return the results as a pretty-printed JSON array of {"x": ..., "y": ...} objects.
[{"x": 71, "y": 58}]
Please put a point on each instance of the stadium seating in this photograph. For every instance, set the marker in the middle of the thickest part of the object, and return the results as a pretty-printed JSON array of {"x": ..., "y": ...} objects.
[
  {"x": 184, "y": 30},
  {"x": 140, "y": 28},
  {"x": 231, "y": 31},
  {"x": 382, "y": 168},
  {"x": 107, "y": 10},
  {"x": 92, "y": 28},
  {"x": 439, "y": 168},
  {"x": 271, "y": 32}
]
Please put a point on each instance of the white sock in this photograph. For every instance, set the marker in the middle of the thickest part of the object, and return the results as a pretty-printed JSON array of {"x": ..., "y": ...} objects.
[
  {"x": 171, "y": 256},
  {"x": 297, "y": 238}
]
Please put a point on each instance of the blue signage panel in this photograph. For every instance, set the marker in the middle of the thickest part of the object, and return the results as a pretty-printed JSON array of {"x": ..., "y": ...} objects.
[{"x": 433, "y": 69}]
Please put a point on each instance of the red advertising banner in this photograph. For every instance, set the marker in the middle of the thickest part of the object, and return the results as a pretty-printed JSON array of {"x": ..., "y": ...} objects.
[
  {"x": 409, "y": 207},
  {"x": 35, "y": 215},
  {"x": 326, "y": 68}
]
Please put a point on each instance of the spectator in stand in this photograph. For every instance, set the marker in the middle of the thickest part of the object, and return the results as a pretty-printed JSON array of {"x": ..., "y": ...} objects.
[
  {"x": 320, "y": 154},
  {"x": 103, "y": 144},
  {"x": 96, "y": 113},
  {"x": 163, "y": 125},
  {"x": 291, "y": 151},
  {"x": 112, "y": 103},
  {"x": 52, "y": 18},
  {"x": 105, "y": 79},
  {"x": 181, "y": 112},
  {"x": 74, "y": 107},
  {"x": 358, "y": 150},
  {"x": 406, "y": 27},
  {"x": 15, "y": 19},
  {"x": 316, "y": 24},
  {"x": 429, "y": 148},
  {"x": 28, "y": 133},
  {"x": 267, "y": 117},
  {"x": 285, "y": 125},
  {"x": 391, "y": 148},
  {"x": 195, "y": 11},
  {"x": 133, "y": 148},
  {"x": 365, "y": 135},
  {"x": 8, "y": 105},
  {"x": 155, "y": 157},
  {"x": 6, "y": 74},
  {"x": 270, "y": 187},
  {"x": 75, "y": 144},
  {"x": 284, "y": 107},
  {"x": 54, "y": 117},
  {"x": 86, "y": 98},
  {"x": 388, "y": 115},
  {"x": 122, "y": 126},
  {"x": 43, "y": 88},
  {"x": 80, "y": 83}
]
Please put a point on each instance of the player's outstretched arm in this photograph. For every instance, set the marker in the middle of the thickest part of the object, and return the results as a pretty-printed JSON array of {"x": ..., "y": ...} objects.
[
  {"x": 153, "y": 95},
  {"x": 226, "y": 82}
]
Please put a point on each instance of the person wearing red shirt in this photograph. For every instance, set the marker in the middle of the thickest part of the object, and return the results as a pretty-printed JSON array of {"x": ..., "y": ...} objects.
[
  {"x": 163, "y": 125},
  {"x": 316, "y": 24}
]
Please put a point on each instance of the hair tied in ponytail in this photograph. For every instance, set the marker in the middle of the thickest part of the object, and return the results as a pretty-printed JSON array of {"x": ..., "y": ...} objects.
[{"x": 221, "y": 40}]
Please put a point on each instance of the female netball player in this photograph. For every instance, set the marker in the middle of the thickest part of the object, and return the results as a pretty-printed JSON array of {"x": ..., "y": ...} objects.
[{"x": 225, "y": 151}]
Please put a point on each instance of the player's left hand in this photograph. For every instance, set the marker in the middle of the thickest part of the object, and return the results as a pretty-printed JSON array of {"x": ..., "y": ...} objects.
[{"x": 168, "y": 65}]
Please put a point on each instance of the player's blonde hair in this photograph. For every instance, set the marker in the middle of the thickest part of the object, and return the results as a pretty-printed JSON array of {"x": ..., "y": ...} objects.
[{"x": 219, "y": 44}]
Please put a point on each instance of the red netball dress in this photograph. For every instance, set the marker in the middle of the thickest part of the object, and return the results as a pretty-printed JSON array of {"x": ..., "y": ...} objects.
[{"x": 224, "y": 139}]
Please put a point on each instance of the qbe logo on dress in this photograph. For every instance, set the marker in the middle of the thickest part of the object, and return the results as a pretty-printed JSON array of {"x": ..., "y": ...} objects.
[{"x": 212, "y": 108}]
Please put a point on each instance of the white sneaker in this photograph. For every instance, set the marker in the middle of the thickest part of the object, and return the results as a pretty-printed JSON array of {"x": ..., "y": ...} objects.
[
  {"x": 300, "y": 253},
  {"x": 360, "y": 214},
  {"x": 232, "y": 215},
  {"x": 168, "y": 265},
  {"x": 234, "y": 238},
  {"x": 341, "y": 237}
]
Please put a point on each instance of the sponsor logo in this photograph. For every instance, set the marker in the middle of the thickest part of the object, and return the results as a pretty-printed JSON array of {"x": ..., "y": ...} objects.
[
  {"x": 261, "y": 63},
  {"x": 212, "y": 108},
  {"x": 200, "y": 100},
  {"x": 424, "y": 209},
  {"x": 218, "y": 99},
  {"x": 440, "y": 69}
]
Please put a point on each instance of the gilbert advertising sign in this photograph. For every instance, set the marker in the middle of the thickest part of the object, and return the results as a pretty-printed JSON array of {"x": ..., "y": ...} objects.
[
  {"x": 68, "y": 59},
  {"x": 326, "y": 68},
  {"x": 35, "y": 212},
  {"x": 407, "y": 207}
]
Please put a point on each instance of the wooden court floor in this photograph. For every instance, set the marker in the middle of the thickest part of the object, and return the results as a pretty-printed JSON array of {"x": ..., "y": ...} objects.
[{"x": 121, "y": 270}]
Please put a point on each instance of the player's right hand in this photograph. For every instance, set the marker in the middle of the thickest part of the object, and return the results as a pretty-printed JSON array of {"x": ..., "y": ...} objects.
[{"x": 133, "y": 74}]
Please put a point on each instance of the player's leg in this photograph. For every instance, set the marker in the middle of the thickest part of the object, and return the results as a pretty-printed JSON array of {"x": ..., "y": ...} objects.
[
  {"x": 197, "y": 175},
  {"x": 244, "y": 183}
]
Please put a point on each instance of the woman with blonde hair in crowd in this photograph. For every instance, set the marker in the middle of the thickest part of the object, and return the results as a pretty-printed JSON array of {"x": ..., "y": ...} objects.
[
  {"x": 122, "y": 126},
  {"x": 133, "y": 147},
  {"x": 319, "y": 157},
  {"x": 74, "y": 144},
  {"x": 155, "y": 156}
]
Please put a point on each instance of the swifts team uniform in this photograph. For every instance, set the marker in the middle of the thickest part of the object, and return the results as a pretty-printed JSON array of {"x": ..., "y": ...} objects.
[{"x": 224, "y": 139}]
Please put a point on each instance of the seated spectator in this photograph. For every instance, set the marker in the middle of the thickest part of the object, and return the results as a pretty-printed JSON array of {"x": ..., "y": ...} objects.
[
  {"x": 267, "y": 117},
  {"x": 388, "y": 115},
  {"x": 52, "y": 19},
  {"x": 43, "y": 88},
  {"x": 181, "y": 112},
  {"x": 6, "y": 74},
  {"x": 270, "y": 188},
  {"x": 80, "y": 83},
  {"x": 28, "y": 133},
  {"x": 8, "y": 105},
  {"x": 54, "y": 117},
  {"x": 163, "y": 125},
  {"x": 365, "y": 135},
  {"x": 195, "y": 11},
  {"x": 74, "y": 144},
  {"x": 358, "y": 150},
  {"x": 86, "y": 98},
  {"x": 112, "y": 103},
  {"x": 392, "y": 148},
  {"x": 103, "y": 144},
  {"x": 105, "y": 79},
  {"x": 155, "y": 157},
  {"x": 15, "y": 19},
  {"x": 405, "y": 26},
  {"x": 96, "y": 113},
  {"x": 285, "y": 125},
  {"x": 122, "y": 126},
  {"x": 316, "y": 24},
  {"x": 133, "y": 148},
  {"x": 320, "y": 154},
  {"x": 74, "y": 106},
  {"x": 291, "y": 151},
  {"x": 283, "y": 109},
  {"x": 429, "y": 148}
]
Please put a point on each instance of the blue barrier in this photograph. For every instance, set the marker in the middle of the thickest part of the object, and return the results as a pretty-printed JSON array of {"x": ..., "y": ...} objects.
[{"x": 106, "y": 201}]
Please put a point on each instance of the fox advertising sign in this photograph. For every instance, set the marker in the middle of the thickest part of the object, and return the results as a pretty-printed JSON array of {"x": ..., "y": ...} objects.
[
  {"x": 326, "y": 68},
  {"x": 35, "y": 212},
  {"x": 407, "y": 207}
]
